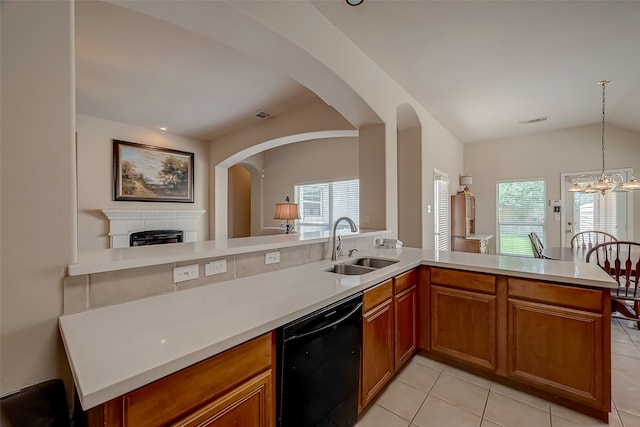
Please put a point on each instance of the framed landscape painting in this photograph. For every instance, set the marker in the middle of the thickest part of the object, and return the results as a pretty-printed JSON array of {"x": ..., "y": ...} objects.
[{"x": 151, "y": 174}]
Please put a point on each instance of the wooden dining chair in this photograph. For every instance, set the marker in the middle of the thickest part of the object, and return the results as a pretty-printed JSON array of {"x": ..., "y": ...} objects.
[
  {"x": 588, "y": 239},
  {"x": 536, "y": 245},
  {"x": 621, "y": 260}
]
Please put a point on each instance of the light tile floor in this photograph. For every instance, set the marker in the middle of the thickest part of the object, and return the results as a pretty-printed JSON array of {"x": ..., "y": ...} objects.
[{"x": 430, "y": 394}]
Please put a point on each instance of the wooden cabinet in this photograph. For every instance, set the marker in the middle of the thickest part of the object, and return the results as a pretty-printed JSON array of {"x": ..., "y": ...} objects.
[
  {"x": 547, "y": 338},
  {"x": 463, "y": 317},
  {"x": 557, "y": 340},
  {"x": 463, "y": 215},
  {"x": 377, "y": 341},
  {"x": 405, "y": 306},
  {"x": 463, "y": 244},
  {"x": 246, "y": 405},
  {"x": 389, "y": 332},
  {"x": 232, "y": 388}
]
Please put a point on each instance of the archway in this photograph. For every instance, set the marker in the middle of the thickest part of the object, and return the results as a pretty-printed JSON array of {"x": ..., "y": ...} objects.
[
  {"x": 409, "y": 176},
  {"x": 222, "y": 174},
  {"x": 239, "y": 206}
]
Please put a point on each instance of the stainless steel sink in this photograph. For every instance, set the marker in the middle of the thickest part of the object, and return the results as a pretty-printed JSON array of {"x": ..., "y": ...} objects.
[
  {"x": 375, "y": 262},
  {"x": 349, "y": 269},
  {"x": 359, "y": 266}
]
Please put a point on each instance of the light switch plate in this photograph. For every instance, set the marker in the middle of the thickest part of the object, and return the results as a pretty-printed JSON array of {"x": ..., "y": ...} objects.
[
  {"x": 272, "y": 257},
  {"x": 185, "y": 272}
]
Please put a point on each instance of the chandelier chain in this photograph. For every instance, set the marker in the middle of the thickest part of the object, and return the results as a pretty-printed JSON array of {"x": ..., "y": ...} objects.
[{"x": 603, "y": 83}]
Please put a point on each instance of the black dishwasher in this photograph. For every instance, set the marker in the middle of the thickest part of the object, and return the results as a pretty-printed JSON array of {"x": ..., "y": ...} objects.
[{"x": 319, "y": 367}]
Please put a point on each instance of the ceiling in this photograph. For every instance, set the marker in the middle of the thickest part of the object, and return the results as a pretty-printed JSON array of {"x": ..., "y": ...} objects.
[{"x": 480, "y": 67}]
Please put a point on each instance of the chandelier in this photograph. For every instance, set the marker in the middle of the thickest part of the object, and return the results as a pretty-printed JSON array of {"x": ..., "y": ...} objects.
[{"x": 605, "y": 183}]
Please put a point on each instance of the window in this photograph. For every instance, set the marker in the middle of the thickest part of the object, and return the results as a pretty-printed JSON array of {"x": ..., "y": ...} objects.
[
  {"x": 321, "y": 204},
  {"x": 521, "y": 210},
  {"x": 595, "y": 212},
  {"x": 442, "y": 240},
  {"x": 612, "y": 213}
]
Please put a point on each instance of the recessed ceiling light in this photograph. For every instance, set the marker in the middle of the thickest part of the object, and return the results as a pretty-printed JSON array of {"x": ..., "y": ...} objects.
[
  {"x": 163, "y": 128},
  {"x": 354, "y": 2}
]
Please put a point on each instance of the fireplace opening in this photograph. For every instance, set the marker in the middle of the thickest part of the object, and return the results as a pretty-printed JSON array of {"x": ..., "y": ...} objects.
[{"x": 155, "y": 237}]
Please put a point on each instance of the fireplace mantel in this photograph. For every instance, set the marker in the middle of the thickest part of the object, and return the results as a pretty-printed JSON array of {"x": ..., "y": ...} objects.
[{"x": 123, "y": 222}]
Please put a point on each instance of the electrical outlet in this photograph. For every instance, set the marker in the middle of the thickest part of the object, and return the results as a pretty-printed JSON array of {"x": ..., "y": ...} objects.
[
  {"x": 215, "y": 267},
  {"x": 272, "y": 257},
  {"x": 186, "y": 272}
]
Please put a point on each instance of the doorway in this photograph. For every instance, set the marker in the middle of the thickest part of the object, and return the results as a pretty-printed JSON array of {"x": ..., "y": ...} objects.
[
  {"x": 611, "y": 212},
  {"x": 239, "y": 207}
]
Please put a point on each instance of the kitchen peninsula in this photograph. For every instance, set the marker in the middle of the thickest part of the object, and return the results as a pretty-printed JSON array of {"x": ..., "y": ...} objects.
[{"x": 116, "y": 349}]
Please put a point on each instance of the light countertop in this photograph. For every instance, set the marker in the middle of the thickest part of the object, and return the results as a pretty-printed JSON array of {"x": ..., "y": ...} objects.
[
  {"x": 479, "y": 236},
  {"x": 116, "y": 349}
]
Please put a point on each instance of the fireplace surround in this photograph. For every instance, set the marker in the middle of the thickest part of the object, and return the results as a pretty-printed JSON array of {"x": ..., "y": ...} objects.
[{"x": 124, "y": 222}]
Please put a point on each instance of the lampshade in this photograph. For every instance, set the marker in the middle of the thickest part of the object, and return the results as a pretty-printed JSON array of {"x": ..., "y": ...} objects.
[
  {"x": 286, "y": 211},
  {"x": 466, "y": 180},
  {"x": 633, "y": 184}
]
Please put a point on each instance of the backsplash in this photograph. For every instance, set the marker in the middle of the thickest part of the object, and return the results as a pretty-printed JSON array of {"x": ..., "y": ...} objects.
[{"x": 91, "y": 291}]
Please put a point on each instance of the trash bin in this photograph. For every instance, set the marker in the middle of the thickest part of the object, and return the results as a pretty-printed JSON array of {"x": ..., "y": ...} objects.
[{"x": 41, "y": 405}]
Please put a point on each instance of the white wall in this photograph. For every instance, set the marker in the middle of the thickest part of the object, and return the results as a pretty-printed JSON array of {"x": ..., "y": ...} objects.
[
  {"x": 303, "y": 163},
  {"x": 95, "y": 175},
  {"x": 547, "y": 155},
  {"x": 38, "y": 232}
]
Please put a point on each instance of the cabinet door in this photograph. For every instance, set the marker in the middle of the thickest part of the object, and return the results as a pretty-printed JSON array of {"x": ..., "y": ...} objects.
[
  {"x": 377, "y": 350},
  {"x": 558, "y": 349},
  {"x": 405, "y": 325},
  {"x": 460, "y": 244},
  {"x": 470, "y": 206},
  {"x": 458, "y": 216},
  {"x": 463, "y": 326},
  {"x": 247, "y": 405}
]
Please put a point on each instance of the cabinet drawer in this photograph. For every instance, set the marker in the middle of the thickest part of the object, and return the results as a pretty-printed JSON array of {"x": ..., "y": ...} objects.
[
  {"x": 464, "y": 280},
  {"x": 376, "y": 295},
  {"x": 404, "y": 281},
  {"x": 160, "y": 402},
  {"x": 249, "y": 404},
  {"x": 586, "y": 299}
]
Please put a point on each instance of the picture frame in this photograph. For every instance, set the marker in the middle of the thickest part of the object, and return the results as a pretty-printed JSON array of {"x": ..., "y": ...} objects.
[{"x": 144, "y": 173}]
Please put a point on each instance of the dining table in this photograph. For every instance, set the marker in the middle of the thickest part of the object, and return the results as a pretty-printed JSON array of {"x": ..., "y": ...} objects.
[{"x": 563, "y": 253}]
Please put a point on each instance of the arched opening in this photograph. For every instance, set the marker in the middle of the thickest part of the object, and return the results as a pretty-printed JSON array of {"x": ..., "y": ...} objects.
[
  {"x": 410, "y": 222},
  {"x": 239, "y": 208},
  {"x": 222, "y": 176}
]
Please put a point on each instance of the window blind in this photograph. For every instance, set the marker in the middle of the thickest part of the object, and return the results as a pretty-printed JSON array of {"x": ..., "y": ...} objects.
[
  {"x": 321, "y": 204},
  {"x": 442, "y": 238},
  {"x": 521, "y": 210},
  {"x": 592, "y": 211}
]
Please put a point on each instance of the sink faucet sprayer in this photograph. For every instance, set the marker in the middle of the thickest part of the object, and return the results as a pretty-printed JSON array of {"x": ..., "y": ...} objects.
[{"x": 354, "y": 228}]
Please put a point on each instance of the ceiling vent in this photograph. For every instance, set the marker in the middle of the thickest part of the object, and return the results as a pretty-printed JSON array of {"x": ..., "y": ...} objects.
[
  {"x": 536, "y": 120},
  {"x": 262, "y": 115}
]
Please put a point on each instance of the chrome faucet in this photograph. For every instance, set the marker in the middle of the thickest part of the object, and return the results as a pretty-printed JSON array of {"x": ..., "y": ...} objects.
[{"x": 354, "y": 228}]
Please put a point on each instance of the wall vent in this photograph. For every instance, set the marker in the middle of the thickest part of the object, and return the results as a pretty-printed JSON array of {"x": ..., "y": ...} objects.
[
  {"x": 262, "y": 115},
  {"x": 536, "y": 120}
]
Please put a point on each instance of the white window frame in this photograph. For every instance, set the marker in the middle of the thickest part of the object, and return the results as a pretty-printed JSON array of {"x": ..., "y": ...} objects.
[
  {"x": 325, "y": 205},
  {"x": 544, "y": 224},
  {"x": 566, "y": 204},
  {"x": 441, "y": 231}
]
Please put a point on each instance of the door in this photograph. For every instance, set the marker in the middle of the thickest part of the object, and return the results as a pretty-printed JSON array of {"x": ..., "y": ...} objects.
[{"x": 612, "y": 213}]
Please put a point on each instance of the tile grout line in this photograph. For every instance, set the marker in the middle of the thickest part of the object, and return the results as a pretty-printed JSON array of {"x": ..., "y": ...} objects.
[{"x": 427, "y": 395}]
